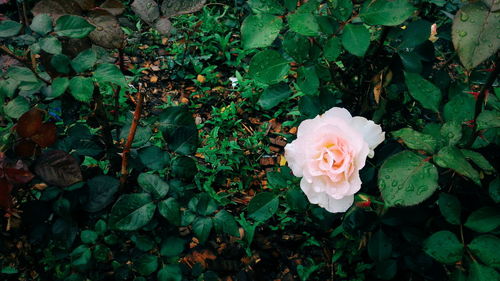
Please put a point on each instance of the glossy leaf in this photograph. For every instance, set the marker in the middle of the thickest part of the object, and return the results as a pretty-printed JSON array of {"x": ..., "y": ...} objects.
[
  {"x": 268, "y": 67},
  {"x": 73, "y": 26},
  {"x": 132, "y": 211},
  {"x": 356, "y": 39},
  {"x": 263, "y": 206},
  {"x": 426, "y": 93},
  {"x": 259, "y": 31},
  {"x": 444, "y": 247},
  {"x": 386, "y": 12}
]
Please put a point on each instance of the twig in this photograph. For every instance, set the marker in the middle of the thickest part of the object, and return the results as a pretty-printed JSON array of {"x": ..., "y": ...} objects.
[
  {"x": 482, "y": 97},
  {"x": 131, "y": 135},
  {"x": 24, "y": 61}
]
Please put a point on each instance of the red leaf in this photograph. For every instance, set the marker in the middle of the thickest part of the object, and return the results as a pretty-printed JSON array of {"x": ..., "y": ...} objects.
[
  {"x": 18, "y": 174},
  {"x": 30, "y": 122},
  {"x": 46, "y": 135},
  {"x": 25, "y": 148},
  {"x": 5, "y": 198}
]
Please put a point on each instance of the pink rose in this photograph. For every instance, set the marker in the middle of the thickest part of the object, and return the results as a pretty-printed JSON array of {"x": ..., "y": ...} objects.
[{"x": 329, "y": 152}]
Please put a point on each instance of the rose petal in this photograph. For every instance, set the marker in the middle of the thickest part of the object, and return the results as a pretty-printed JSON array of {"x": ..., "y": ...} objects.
[{"x": 372, "y": 133}]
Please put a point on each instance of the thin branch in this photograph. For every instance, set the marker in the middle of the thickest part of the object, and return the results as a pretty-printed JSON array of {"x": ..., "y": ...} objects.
[
  {"x": 24, "y": 61},
  {"x": 481, "y": 98},
  {"x": 131, "y": 135}
]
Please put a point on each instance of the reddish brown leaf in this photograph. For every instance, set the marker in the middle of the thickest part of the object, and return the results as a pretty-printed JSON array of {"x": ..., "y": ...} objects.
[
  {"x": 30, "y": 122},
  {"x": 58, "y": 168},
  {"x": 19, "y": 174},
  {"x": 46, "y": 135},
  {"x": 5, "y": 199},
  {"x": 25, "y": 148}
]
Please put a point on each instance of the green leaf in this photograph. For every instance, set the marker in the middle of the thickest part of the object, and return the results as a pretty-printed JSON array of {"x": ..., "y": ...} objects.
[
  {"x": 494, "y": 190},
  {"x": 444, "y": 247},
  {"x": 80, "y": 257},
  {"x": 16, "y": 107},
  {"x": 101, "y": 192},
  {"x": 41, "y": 24},
  {"x": 263, "y": 206},
  {"x": 202, "y": 227},
  {"x": 428, "y": 95},
  {"x": 266, "y": 7},
  {"x": 472, "y": 34},
  {"x": 379, "y": 246},
  {"x": 73, "y": 26},
  {"x": 416, "y": 140},
  {"x": 146, "y": 264},
  {"x": 172, "y": 246},
  {"x": 308, "y": 80},
  {"x": 59, "y": 86},
  {"x": 224, "y": 222},
  {"x": 153, "y": 185},
  {"x": 170, "y": 210},
  {"x": 142, "y": 135},
  {"x": 342, "y": 10},
  {"x": 485, "y": 219},
  {"x": 51, "y": 45},
  {"x": 386, "y": 12},
  {"x": 488, "y": 119},
  {"x": 132, "y": 211},
  {"x": 268, "y": 67},
  {"x": 459, "y": 108},
  {"x": 143, "y": 242},
  {"x": 479, "y": 272},
  {"x": 153, "y": 157},
  {"x": 107, "y": 72},
  {"x": 274, "y": 95},
  {"x": 478, "y": 159},
  {"x": 178, "y": 128},
  {"x": 171, "y": 272},
  {"x": 332, "y": 49},
  {"x": 487, "y": 249},
  {"x": 203, "y": 204},
  {"x": 184, "y": 167},
  {"x": 296, "y": 200},
  {"x": 415, "y": 34},
  {"x": 450, "y": 208},
  {"x": 297, "y": 46},
  {"x": 9, "y": 28},
  {"x": 259, "y": 31},
  {"x": 84, "y": 60},
  {"x": 451, "y": 157},
  {"x": 356, "y": 39},
  {"x": 81, "y": 88},
  {"x": 407, "y": 179},
  {"x": 22, "y": 74},
  {"x": 304, "y": 23},
  {"x": 88, "y": 236},
  {"x": 451, "y": 132},
  {"x": 60, "y": 63}
]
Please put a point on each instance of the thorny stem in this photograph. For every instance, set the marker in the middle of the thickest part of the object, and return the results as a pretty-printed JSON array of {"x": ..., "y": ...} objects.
[
  {"x": 23, "y": 61},
  {"x": 481, "y": 98},
  {"x": 131, "y": 135}
]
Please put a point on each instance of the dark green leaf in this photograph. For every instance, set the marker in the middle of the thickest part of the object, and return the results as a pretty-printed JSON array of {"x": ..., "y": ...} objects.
[
  {"x": 203, "y": 204},
  {"x": 485, "y": 219},
  {"x": 9, "y": 28},
  {"x": 41, "y": 24},
  {"x": 142, "y": 135},
  {"x": 451, "y": 132},
  {"x": 51, "y": 45},
  {"x": 356, "y": 39},
  {"x": 472, "y": 30},
  {"x": 80, "y": 257},
  {"x": 16, "y": 107},
  {"x": 258, "y": 31},
  {"x": 73, "y": 26},
  {"x": 444, "y": 247},
  {"x": 386, "y": 12},
  {"x": 494, "y": 190},
  {"x": 88, "y": 236},
  {"x": 487, "y": 249},
  {"x": 154, "y": 157},
  {"x": 184, "y": 167},
  {"x": 478, "y": 159},
  {"x": 224, "y": 222},
  {"x": 170, "y": 210},
  {"x": 153, "y": 185},
  {"x": 479, "y": 272},
  {"x": 274, "y": 95},
  {"x": 84, "y": 60},
  {"x": 107, "y": 72},
  {"x": 146, "y": 264},
  {"x": 266, "y": 7},
  {"x": 304, "y": 23},
  {"x": 263, "y": 206},
  {"x": 268, "y": 67},
  {"x": 132, "y": 211},
  {"x": 308, "y": 80},
  {"x": 488, "y": 119},
  {"x": 22, "y": 74},
  {"x": 416, "y": 140},
  {"x": 81, "y": 88},
  {"x": 101, "y": 192},
  {"x": 202, "y": 227},
  {"x": 379, "y": 246},
  {"x": 451, "y": 157},
  {"x": 59, "y": 86},
  {"x": 450, "y": 208},
  {"x": 342, "y": 10},
  {"x": 297, "y": 46},
  {"x": 423, "y": 91},
  {"x": 178, "y": 128},
  {"x": 407, "y": 179},
  {"x": 60, "y": 63},
  {"x": 172, "y": 246},
  {"x": 171, "y": 272},
  {"x": 296, "y": 200},
  {"x": 332, "y": 49}
]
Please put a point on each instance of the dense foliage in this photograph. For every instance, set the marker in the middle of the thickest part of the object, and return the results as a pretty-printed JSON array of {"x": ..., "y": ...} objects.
[{"x": 145, "y": 140}]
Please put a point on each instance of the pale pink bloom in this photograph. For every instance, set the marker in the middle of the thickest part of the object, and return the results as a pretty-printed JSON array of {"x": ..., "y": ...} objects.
[{"x": 329, "y": 152}]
